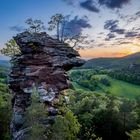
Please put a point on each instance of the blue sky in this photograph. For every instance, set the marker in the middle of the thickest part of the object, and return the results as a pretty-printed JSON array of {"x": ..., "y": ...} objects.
[{"x": 15, "y": 12}]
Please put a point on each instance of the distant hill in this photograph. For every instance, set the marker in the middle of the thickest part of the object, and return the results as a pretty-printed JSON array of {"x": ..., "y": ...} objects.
[
  {"x": 113, "y": 63},
  {"x": 4, "y": 63}
]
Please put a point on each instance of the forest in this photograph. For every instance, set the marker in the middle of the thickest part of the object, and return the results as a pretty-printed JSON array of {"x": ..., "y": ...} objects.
[{"x": 91, "y": 112}]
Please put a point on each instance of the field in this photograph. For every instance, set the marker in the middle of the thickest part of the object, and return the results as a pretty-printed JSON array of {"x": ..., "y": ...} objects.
[
  {"x": 121, "y": 88},
  {"x": 117, "y": 87}
]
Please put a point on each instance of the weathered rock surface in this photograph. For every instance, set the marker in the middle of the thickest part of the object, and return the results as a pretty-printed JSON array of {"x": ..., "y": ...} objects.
[{"x": 42, "y": 65}]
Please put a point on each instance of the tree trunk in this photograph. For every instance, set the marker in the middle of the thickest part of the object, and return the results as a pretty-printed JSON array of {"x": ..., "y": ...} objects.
[
  {"x": 62, "y": 33},
  {"x": 58, "y": 30}
]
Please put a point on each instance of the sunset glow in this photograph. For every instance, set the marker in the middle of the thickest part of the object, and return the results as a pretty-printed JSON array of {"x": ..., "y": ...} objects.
[
  {"x": 111, "y": 31},
  {"x": 105, "y": 52}
]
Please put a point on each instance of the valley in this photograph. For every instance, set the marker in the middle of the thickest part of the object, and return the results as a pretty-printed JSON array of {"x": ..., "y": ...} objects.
[
  {"x": 99, "y": 99},
  {"x": 116, "y": 87}
]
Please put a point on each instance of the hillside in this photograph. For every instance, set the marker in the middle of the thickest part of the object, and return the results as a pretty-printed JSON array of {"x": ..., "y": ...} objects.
[
  {"x": 4, "y": 63},
  {"x": 113, "y": 63},
  {"x": 88, "y": 80}
]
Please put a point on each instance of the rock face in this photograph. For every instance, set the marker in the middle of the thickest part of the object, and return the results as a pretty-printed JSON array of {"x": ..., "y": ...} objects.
[{"x": 42, "y": 65}]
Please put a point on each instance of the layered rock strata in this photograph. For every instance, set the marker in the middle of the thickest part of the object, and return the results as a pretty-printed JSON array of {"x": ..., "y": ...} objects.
[{"x": 42, "y": 65}]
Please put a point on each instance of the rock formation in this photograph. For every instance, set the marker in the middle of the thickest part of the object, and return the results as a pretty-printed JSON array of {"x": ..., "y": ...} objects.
[{"x": 42, "y": 65}]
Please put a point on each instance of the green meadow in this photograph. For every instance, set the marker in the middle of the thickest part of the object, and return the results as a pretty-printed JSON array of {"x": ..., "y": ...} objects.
[{"x": 117, "y": 87}]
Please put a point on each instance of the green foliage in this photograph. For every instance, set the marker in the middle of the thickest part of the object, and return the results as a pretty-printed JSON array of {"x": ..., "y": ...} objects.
[
  {"x": 5, "y": 111},
  {"x": 93, "y": 80},
  {"x": 84, "y": 78},
  {"x": 104, "y": 116},
  {"x": 11, "y": 49},
  {"x": 89, "y": 115},
  {"x": 112, "y": 63},
  {"x": 128, "y": 75},
  {"x": 65, "y": 127},
  {"x": 35, "y": 111},
  {"x": 105, "y": 81},
  {"x": 34, "y": 114},
  {"x": 134, "y": 134},
  {"x": 37, "y": 132}
]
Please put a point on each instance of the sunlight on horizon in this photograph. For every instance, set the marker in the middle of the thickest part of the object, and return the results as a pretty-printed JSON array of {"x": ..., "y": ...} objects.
[{"x": 104, "y": 52}]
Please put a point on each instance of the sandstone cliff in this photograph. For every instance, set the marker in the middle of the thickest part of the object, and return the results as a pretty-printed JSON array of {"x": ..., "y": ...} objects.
[{"x": 42, "y": 65}]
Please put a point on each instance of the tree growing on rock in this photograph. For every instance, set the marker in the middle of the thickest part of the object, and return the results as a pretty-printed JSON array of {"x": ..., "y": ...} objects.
[
  {"x": 11, "y": 49},
  {"x": 35, "y": 26},
  {"x": 69, "y": 30},
  {"x": 56, "y": 22},
  {"x": 76, "y": 41}
]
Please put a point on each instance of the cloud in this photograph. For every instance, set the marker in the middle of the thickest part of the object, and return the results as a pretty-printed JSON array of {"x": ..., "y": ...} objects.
[
  {"x": 69, "y": 2},
  {"x": 132, "y": 18},
  {"x": 137, "y": 14},
  {"x": 113, "y": 3},
  {"x": 124, "y": 42},
  {"x": 118, "y": 54},
  {"x": 94, "y": 5},
  {"x": 17, "y": 28},
  {"x": 132, "y": 34},
  {"x": 101, "y": 33},
  {"x": 119, "y": 31},
  {"x": 88, "y": 5},
  {"x": 136, "y": 28},
  {"x": 112, "y": 26},
  {"x": 129, "y": 18},
  {"x": 110, "y": 36},
  {"x": 76, "y": 25}
]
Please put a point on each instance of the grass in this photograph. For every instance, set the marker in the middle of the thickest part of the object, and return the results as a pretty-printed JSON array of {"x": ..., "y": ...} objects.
[
  {"x": 120, "y": 88},
  {"x": 117, "y": 88},
  {"x": 77, "y": 86}
]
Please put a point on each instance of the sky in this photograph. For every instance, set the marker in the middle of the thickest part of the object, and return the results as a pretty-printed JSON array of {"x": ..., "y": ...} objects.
[{"x": 112, "y": 26}]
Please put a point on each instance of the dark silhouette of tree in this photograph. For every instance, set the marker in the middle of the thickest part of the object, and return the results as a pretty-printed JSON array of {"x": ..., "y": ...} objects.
[
  {"x": 65, "y": 31},
  {"x": 35, "y": 26},
  {"x": 57, "y": 22}
]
